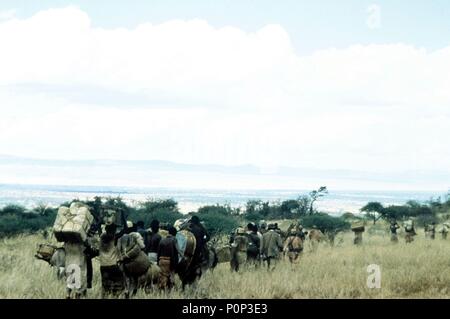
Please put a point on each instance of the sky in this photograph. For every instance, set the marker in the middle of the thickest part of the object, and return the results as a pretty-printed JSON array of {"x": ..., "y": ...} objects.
[{"x": 352, "y": 84}]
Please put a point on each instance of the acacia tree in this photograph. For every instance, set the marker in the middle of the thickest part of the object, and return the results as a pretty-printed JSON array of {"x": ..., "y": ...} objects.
[
  {"x": 315, "y": 195},
  {"x": 374, "y": 211}
]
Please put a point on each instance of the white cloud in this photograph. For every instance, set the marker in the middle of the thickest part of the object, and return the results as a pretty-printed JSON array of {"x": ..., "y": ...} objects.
[
  {"x": 188, "y": 92},
  {"x": 7, "y": 14}
]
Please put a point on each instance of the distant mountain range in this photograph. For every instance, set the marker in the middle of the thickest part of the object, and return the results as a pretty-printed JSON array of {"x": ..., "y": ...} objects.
[{"x": 25, "y": 170}]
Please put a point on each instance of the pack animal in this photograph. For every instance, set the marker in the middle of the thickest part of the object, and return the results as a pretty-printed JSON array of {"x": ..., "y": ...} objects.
[
  {"x": 293, "y": 246},
  {"x": 315, "y": 237}
]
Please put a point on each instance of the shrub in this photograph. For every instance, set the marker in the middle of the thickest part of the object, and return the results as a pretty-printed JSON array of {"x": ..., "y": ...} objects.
[
  {"x": 166, "y": 211},
  {"x": 325, "y": 222},
  {"x": 217, "y": 223},
  {"x": 15, "y": 220},
  {"x": 13, "y": 210},
  {"x": 427, "y": 219}
]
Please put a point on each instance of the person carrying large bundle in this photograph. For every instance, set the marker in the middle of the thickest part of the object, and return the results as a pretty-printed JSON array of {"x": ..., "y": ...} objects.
[
  {"x": 133, "y": 261},
  {"x": 410, "y": 232},
  {"x": 358, "y": 229},
  {"x": 443, "y": 230},
  {"x": 112, "y": 278},
  {"x": 430, "y": 231},
  {"x": 131, "y": 251},
  {"x": 72, "y": 226}
]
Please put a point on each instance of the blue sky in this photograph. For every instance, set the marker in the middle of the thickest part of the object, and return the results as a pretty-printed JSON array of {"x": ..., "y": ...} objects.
[{"x": 312, "y": 25}]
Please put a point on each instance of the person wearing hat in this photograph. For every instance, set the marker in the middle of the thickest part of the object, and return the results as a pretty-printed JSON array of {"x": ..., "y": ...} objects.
[
  {"x": 112, "y": 277},
  {"x": 238, "y": 250},
  {"x": 272, "y": 246},
  {"x": 444, "y": 230},
  {"x": 410, "y": 231},
  {"x": 296, "y": 229},
  {"x": 262, "y": 227}
]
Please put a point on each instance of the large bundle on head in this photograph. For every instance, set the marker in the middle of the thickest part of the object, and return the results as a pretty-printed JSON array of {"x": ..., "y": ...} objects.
[
  {"x": 358, "y": 226},
  {"x": 444, "y": 228},
  {"x": 72, "y": 224},
  {"x": 409, "y": 225}
]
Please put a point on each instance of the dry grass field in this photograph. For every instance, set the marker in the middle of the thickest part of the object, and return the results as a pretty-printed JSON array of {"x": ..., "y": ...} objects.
[{"x": 417, "y": 270}]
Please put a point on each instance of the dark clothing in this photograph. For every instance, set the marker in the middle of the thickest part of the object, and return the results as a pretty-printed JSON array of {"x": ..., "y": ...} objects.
[
  {"x": 89, "y": 272},
  {"x": 253, "y": 246},
  {"x": 394, "y": 228},
  {"x": 201, "y": 238},
  {"x": 90, "y": 253},
  {"x": 200, "y": 233},
  {"x": 301, "y": 234},
  {"x": 168, "y": 248},
  {"x": 152, "y": 242},
  {"x": 231, "y": 240},
  {"x": 112, "y": 280}
]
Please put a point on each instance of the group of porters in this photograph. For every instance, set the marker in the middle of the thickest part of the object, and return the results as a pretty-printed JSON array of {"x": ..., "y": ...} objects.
[
  {"x": 267, "y": 244},
  {"x": 358, "y": 229},
  {"x": 132, "y": 257}
]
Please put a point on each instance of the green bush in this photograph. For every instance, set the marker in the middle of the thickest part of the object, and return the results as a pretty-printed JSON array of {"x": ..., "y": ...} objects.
[
  {"x": 325, "y": 222},
  {"x": 166, "y": 211},
  {"x": 254, "y": 217},
  {"x": 217, "y": 223},
  {"x": 13, "y": 210},
  {"x": 216, "y": 209},
  {"x": 427, "y": 219},
  {"x": 14, "y": 220}
]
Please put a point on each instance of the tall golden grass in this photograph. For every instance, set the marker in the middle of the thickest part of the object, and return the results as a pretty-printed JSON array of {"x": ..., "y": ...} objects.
[{"x": 417, "y": 270}]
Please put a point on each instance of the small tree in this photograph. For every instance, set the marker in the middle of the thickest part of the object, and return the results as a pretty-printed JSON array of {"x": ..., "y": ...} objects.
[
  {"x": 288, "y": 208},
  {"x": 315, "y": 195},
  {"x": 303, "y": 205},
  {"x": 374, "y": 211}
]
